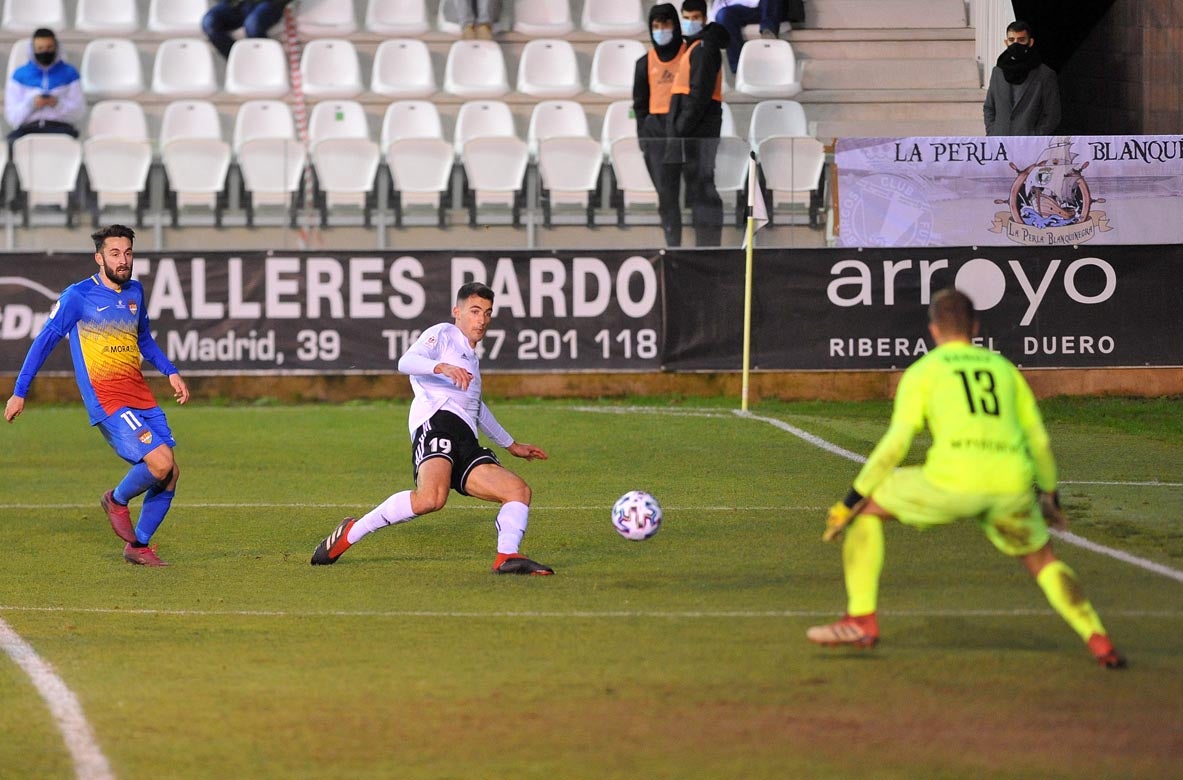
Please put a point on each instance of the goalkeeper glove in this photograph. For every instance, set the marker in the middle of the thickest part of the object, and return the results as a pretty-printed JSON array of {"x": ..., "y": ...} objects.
[
  {"x": 837, "y": 519},
  {"x": 1049, "y": 505}
]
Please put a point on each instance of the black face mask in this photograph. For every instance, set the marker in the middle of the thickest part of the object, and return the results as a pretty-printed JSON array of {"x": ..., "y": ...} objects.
[{"x": 45, "y": 57}]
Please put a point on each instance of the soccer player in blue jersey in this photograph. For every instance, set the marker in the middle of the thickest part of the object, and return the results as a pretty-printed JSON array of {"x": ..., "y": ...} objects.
[{"x": 107, "y": 323}]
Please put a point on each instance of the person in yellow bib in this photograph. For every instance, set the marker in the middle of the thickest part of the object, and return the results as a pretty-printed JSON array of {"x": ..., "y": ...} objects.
[{"x": 989, "y": 448}]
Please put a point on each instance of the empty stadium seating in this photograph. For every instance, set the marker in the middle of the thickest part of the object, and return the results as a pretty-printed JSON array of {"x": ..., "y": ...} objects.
[{"x": 380, "y": 52}]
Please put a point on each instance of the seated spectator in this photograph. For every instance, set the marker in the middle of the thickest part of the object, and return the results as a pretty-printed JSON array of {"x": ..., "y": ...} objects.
[
  {"x": 476, "y": 17},
  {"x": 255, "y": 17},
  {"x": 734, "y": 15},
  {"x": 45, "y": 94}
]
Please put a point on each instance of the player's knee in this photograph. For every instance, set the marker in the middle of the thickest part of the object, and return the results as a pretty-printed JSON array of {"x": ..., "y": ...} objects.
[
  {"x": 522, "y": 493},
  {"x": 424, "y": 501},
  {"x": 163, "y": 467}
]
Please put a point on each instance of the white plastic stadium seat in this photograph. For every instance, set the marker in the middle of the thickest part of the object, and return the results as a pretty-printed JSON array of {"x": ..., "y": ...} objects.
[
  {"x": 731, "y": 171},
  {"x": 117, "y": 119},
  {"x": 47, "y": 166},
  {"x": 767, "y": 69},
  {"x": 420, "y": 172},
  {"x": 619, "y": 122},
  {"x": 397, "y": 17},
  {"x": 343, "y": 156},
  {"x": 776, "y": 117},
  {"x": 402, "y": 69},
  {"x": 333, "y": 18},
  {"x": 548, "y": 69},
  {"x": 25, "y": 16},
  {"x": 632, "y": 177},
  {"x": 257, "y": 68},
  {"x": 475, "y": 69},
  {"x": 111, "y": 69},
  {"x": 329, "y": 69},
  {"x": 18, "y": 55},
  {"x": 613, "y": 18},
  {"x": 614, "y": 67},
  {"x": 196, "y": 159},
  {"x": 569, "y": 169},
  {"x": 176, "y": 17},
  {"x": 118, "y": 155},
  {"x": 792, "y": 167},
  {"x": 553, "y": 119},
  {"x": 109, "y": 17},
  {"x": 727, "y": 126},
  {"x": 410, "y": 119},
  {"x": 270, "y": 157},
  {"x": 184, "y": 68},
  {"x": 419, "y": 158},
  {"x": 495, "y": 167},
  {"x": 482, "y": 118},
  {"x": 542, "y": 18}
]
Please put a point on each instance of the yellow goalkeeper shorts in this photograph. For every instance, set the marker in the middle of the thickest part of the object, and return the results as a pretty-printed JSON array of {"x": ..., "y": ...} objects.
[{"x": 1012, "y": 522}]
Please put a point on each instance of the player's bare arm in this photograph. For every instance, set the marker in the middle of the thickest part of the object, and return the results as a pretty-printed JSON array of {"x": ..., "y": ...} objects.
[
  {"x": 527, "y": 451},
  {"x": 13, "y": 408}
]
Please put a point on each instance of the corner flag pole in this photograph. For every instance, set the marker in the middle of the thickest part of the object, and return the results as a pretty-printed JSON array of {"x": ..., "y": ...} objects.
[{"x": 757, "y": 218}]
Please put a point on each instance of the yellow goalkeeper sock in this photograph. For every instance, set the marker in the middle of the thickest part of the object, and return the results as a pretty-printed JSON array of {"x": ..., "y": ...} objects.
[
  {"x": 862, "y": 563},
  {"x": 1062, "y": 588}
]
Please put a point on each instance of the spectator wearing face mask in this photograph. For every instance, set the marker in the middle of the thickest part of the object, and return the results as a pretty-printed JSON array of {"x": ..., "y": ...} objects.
[
  {"x": 45, "y": 94},
  {"x": 1024, "y": 94},
  {"x": 653, "y": 84}
]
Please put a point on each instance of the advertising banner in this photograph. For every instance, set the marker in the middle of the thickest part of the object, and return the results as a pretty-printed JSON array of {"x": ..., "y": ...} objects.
[
  {"x": 680, "y": 310},
  {"x": 1037, "y": 191},
  {"x": 844, "y": 309},
  {"x": 235, "y": 312}
]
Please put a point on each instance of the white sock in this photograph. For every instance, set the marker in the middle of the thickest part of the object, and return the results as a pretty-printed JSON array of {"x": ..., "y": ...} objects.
[
  {"x": 511, "y": 526},
  {"x": 396, "y": 509}
]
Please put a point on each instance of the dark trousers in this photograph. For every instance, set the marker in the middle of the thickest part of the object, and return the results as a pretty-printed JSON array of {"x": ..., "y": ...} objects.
[
  {"x": 667, "y": 182},
  {"x": 688, "y": 161},
  {"x": 734, "y": 18},
  {"x": 43, "y": 126},
  {"x": 254, "y": 18}
]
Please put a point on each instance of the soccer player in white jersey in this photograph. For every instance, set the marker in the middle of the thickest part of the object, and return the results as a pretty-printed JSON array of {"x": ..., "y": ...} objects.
[{"x": 445, "y": 417}]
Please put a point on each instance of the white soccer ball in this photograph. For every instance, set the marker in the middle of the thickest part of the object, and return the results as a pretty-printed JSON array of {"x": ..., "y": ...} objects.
[{"x": 636, "y": 515}]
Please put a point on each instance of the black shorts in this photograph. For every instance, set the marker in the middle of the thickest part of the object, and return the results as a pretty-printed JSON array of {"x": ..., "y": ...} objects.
[{"x": 447, "y": 436}]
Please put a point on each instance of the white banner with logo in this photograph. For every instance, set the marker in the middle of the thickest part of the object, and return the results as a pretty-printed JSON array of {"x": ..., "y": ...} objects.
[{"x": 1002, "y": 191}]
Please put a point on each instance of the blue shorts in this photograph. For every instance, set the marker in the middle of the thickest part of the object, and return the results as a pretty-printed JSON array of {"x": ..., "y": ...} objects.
[{"x": 133, "y": 433}]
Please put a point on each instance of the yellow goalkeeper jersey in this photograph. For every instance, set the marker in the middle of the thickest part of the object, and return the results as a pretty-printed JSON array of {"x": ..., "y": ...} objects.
[{"x": 987, "y": 433}]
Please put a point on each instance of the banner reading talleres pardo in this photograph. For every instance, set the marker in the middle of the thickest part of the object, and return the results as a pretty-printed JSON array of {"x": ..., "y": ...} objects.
[
  {"x": 838, "y": 309},
  {"x": 337, "y": 313}
]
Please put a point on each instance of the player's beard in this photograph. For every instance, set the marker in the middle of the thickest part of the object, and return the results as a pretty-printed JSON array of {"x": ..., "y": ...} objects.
[{"x": 115, "y": 276}]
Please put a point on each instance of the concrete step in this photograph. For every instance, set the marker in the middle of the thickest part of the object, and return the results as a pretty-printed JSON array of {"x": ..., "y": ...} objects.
[
  {"x": 914, "y": 95},
  {"x": 900, "y": 15},
  {"x": 893, "y": 111},
  {"x": 826, "y": 130},
  {"x": 837, "y": 48},
  {"x": 890, "y": 74}
]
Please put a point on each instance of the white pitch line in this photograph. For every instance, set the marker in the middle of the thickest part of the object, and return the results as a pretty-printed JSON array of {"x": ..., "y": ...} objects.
[
  {"x": 1070, "y": 538},
  {"x": 1151, "y": 483},
  {"x": 89, "y": 761},
  {"x": 573, "y": 614},
  {"x": 466, "y": 507}
]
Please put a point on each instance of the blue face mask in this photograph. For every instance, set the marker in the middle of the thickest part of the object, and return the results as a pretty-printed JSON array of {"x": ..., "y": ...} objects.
[
  {"x": 663, "y": 37},
  {"x": 690, "y": 28}
]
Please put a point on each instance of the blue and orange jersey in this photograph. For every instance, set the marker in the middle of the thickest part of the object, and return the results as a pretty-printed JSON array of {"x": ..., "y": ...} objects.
[{"x": 109, "y": 339}]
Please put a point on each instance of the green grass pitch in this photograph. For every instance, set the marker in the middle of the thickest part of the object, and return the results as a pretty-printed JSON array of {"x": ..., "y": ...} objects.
[{"x": 680, "y": 657}]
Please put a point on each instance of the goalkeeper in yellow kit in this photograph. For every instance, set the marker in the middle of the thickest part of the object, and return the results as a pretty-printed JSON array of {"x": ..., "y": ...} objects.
[{"x": 989, "y": 447}]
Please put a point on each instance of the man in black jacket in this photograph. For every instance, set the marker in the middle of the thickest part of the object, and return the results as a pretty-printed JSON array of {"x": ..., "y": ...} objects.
[
  {"x": 653, "y": 84},
  {"x": 696, "y": 113}
]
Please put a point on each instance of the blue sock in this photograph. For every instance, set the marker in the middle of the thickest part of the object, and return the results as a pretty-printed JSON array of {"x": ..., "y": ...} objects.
[
  {"x": 156, "y": 504},
  {"x": 138, "y": 479}
]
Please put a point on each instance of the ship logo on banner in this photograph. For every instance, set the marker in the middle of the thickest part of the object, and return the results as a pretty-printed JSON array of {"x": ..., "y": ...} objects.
[{"x": 1050, "y": 202}]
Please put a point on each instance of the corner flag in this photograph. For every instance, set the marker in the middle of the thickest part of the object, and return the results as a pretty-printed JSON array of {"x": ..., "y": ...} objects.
[{"x": 757, "y": 211}]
